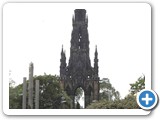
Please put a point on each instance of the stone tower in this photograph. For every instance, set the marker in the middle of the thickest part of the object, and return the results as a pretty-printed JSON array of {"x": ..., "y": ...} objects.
[{"x": 79, "y": 72}]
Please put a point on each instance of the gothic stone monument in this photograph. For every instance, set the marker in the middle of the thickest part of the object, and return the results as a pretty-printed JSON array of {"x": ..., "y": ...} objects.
[{"x": 79, "y": 72}]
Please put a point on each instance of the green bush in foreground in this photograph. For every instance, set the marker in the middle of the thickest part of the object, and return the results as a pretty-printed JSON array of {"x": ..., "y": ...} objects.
[{"x": 128, "y": 103}]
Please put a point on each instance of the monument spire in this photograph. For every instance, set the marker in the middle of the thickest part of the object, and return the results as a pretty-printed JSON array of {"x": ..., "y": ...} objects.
[
  {"x": 63, "y": 63},
  {"x": 62, "y": 51},
  {"x": 79, "y": 72},
  {"x": 96, "y": 61}
]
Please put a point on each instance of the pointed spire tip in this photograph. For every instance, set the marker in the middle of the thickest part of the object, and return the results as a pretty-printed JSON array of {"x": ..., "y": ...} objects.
[{"x": 62, "y": 49}]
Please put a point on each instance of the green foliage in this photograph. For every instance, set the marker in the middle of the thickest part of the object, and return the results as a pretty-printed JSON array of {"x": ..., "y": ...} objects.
[
  {"x": 128, "y": 103},
  {"x": 11, "y": 83},
  {"x": 107, "y": 91},
  {"x": 104, "y": 104},
  {"x": 50, "y": 95},
  {"x": 138, "y": 85},
  {"x": 15, "y": 96},
  {"x": 67, "y": 101},
  {"x": 109, "y": 97},
  {"x": 50, "y": 92}
]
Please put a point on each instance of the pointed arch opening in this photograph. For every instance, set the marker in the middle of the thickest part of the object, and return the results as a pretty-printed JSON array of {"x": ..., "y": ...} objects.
[{"x": 79, "y": 98}]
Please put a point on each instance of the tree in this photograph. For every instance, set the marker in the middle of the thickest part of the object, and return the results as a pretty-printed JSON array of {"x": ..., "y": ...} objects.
[
  {"x": 15, "y": 93},
  {"x": 15, "y": 96},
  {"x": 129, "y": 102},
  {"x": 50, "y": 94},
  {"x": 50, "y": 91},
  {"x": 138, "y": 85},
  {"x": 107, "y": 91}
]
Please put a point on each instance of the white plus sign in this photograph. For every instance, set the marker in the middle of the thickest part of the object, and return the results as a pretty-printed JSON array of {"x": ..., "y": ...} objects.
[{"x": 147, "y": 99}]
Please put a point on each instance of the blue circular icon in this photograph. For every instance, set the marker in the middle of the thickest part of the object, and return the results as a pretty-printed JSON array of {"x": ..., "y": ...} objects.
[{"x": 147, "y": 99}]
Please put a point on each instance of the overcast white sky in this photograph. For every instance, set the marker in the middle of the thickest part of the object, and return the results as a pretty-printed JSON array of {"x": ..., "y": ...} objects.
[{"x": 36, "y": 31}]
